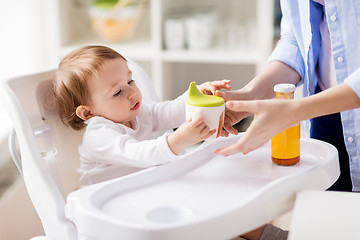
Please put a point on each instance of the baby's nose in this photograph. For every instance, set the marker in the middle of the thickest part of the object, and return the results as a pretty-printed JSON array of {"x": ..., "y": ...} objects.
[{"x": 131, "y": 94}]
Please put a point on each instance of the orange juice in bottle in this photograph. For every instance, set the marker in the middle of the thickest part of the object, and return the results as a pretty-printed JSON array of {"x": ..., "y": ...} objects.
[{"x": 285, "y": 146}]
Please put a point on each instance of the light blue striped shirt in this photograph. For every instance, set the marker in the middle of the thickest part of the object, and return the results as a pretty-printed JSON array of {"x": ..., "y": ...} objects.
[{"x": 299, "y": 48}]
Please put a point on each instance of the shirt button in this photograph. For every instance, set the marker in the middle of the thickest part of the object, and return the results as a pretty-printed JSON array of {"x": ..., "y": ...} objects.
[
  {"x": 340, "y": 59},
  {"x": 350, "y": 139},
  {"x": 333, "y": 18}
]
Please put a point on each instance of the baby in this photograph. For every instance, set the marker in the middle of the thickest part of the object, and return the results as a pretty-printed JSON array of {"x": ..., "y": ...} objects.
[{"x": 94, "y": 88}]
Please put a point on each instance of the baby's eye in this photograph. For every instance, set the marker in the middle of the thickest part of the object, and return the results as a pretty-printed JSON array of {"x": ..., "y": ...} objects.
[
  {"x": 131, "y": 81},
  {"x": 117, "y": 94}
]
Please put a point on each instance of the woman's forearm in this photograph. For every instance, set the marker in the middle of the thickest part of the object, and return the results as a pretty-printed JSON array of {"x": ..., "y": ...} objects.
[
  {"x": 262, "y": 86},
  {"x": 273, "y": 116},
  {"x": 332, "y": 100}
]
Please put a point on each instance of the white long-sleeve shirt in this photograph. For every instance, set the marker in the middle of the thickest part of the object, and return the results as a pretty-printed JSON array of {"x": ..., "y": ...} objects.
[{"x": 109, "y": 150}]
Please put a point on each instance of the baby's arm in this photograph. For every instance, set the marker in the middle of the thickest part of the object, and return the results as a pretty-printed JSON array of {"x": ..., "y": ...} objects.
[
  {"x": 189, "y": 133},
  {"x": 105, "y": 142},
  {"x": 214, "y": 87}
]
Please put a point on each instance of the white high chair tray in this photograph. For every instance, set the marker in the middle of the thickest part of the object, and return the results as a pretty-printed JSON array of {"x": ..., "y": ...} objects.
[{"x": 202, "y": 195}]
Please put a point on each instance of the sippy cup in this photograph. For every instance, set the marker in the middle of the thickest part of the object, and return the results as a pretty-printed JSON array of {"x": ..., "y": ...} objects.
[{"x": 210, "y": 107}]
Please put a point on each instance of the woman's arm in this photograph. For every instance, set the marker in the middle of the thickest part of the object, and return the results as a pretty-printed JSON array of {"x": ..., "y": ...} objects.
[
  {"x": 274, "y": 116},
  {"x": 261, "y": 87},
  {"x": 332, "y": 100}
]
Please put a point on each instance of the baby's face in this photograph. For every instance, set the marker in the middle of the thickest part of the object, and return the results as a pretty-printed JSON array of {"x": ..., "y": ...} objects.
[{"x": 113, "y": 93}]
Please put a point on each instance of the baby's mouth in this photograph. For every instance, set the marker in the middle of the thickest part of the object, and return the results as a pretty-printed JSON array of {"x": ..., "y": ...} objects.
[{"x": 136, "y": 106}]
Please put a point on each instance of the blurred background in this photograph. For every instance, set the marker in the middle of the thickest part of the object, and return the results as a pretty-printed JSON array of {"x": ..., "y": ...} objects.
[{"x": 176, "y": 42}]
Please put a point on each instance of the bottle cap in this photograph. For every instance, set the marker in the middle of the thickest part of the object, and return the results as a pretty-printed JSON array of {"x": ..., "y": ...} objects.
[
  {"x": 198, "y": 99},
  {"x": 284, "y": 88}
]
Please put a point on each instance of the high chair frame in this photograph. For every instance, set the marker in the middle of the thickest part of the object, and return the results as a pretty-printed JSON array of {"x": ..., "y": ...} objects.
[{"x": 48, "y": 149}]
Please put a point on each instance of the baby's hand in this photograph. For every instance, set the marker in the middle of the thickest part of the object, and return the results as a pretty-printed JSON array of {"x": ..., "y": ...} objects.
[
  {"x": 189, "y": 133},
  {"x": 214, "y": 87}
]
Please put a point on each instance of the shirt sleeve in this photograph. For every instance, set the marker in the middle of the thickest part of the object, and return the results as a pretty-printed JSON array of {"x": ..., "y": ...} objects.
[
  {"x": 353, "y": 80},
  {"x": 287, "y": 49},
  {"x": 168, "y": 114},
  {"x": 106, "y": 143}
]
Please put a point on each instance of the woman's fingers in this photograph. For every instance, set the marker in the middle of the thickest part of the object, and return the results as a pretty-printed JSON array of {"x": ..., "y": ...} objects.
[
  {"x": 255, "y": 136},
  {"x": 243, "y": 145},
  {"x": 229, "y": 150},
  {"x": 241, "y": 106},
  {"x": 229, "y": 128},
  {"x": 228, "y": 96},
  {"x": 224, "y": 133},
  {"x": 232, "y": 149}
]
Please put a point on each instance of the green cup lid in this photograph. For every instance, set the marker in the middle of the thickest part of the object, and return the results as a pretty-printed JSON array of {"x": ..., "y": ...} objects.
[
  {"x": 198, "y": 99},
  {"x": 108, "y": 4},
  {"x": 105, "y": 3}
]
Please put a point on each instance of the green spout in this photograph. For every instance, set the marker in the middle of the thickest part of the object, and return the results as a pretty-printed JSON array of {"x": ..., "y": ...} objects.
[{"x": 198, "y": 99}]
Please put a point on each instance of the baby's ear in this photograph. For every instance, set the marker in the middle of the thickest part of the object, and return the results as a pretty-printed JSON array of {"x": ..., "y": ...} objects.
[{"x": 83, "y": 112}]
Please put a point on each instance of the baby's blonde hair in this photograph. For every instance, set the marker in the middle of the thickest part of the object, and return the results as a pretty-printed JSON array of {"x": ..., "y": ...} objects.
[{"x": 70, "y": 86}]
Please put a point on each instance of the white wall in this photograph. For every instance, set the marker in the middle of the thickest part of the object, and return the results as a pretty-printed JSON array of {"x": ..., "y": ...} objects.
[
  {"x": 22, "y": 41},
  {"x": 21, "y": 37}
]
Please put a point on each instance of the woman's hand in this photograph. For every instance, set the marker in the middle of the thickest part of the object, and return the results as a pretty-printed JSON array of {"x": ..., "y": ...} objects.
[
  {"x": 232, "y": 117},
  {"x": 261, "y": 87},
  {"x": 189, "y": 133},
  {"x": 271, "y": 117}
]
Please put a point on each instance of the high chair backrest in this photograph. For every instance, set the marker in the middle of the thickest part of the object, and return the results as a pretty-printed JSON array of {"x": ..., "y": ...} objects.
[{"x": 48, "y": 149}]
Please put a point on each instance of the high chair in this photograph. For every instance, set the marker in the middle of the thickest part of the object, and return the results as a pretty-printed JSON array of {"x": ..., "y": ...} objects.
[
  {"x": 49, "y": 156},
  {"x": 199, "y": 196}
]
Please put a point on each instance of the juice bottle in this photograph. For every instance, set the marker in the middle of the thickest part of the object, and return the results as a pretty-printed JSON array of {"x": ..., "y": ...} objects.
[{"x": 285, "y": 146}]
